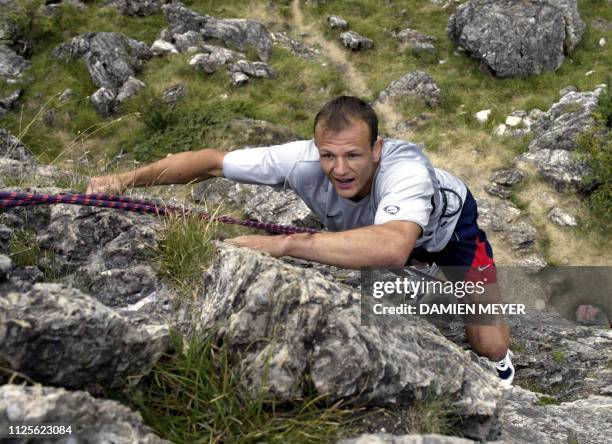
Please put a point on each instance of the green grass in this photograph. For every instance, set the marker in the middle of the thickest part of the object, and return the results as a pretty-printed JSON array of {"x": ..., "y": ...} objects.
[
  {"x": 558, "y": 356},
  {"x": 547, "y": 400},
  {"x": 195, "y": 395},
  {"x": 26, "y": 251},
  {"x": 433, "y": 414}
]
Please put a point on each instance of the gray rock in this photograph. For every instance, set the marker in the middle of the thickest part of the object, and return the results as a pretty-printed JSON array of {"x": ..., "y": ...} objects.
[
  {"x": 103, "y": 101},
  {"x": 161, "y": 47},
  {"x": 555, "y": 134},
  {"x": 6, "y": 234},
  {"x": 213, "y": 57},
  {"x": 508, "y": 177},
  {"x": 416, "y": 83},
  {"x": 521, "y": 236},
  {"x": 173, "y": 94},
  {"x": 236, "y": 32},
  {"x": 138, "y": 8},
  {"x": 239, "y": 79},
  {"x": 7, "y": 103},
  {"x": 526, "y": 419},
  {"x": 285, "y": 328},
  {"x": 253, "y": 69},
  {"x": 60, "y": 336},
  {"x": 204, "y": 63},
  {"x": 92, "y": 420},
  {"x": 355, "y": 42},
  {"x": 516, "y": 39},
  {"x": 386, "y": 438},
  {"x": 336, "y": 21},
  {"x": 503, "y": 217},
  {"x": 258, "y": 202},
  {"x": 297, "y": 47},
  {"x": 416, "y": 40},
  {"x": 495, "y": 189},
  {"x": 12, "y": 148},
  {"x": 109, "y": 252},
  {"x": 11, "y": 63},
  {"x": 568, "y": 89},
  {"x": 188, "y": 41},
  {"x": 5, "y": 267},
  {"x": 561, "y": 217},
  {"x": 129, "y": 89},
  {"x": 112, "y": 60},
  {"x": 553, "y": 355}
]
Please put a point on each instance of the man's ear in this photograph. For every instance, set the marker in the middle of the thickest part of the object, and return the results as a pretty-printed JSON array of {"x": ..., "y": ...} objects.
[{"x": 377, "y": 149}]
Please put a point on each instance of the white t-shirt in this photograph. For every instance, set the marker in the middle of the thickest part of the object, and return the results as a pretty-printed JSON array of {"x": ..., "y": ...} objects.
[{"x": 406, "y": 187}]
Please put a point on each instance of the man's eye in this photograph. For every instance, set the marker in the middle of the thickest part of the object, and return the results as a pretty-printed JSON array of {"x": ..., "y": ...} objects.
[
  {"x": 326, "y": 156},
  {"x": 353, "y": 156}
]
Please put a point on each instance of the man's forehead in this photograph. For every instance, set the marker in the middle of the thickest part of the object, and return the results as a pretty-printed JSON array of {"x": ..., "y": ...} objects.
[{"x": 357, "y": 133}]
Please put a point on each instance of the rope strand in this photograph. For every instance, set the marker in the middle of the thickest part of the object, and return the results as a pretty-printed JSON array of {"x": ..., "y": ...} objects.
[{"x": 15, "y": 199}]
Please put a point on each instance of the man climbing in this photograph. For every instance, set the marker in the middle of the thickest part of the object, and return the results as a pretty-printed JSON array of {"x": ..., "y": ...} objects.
[{"x": 382, "y": 201}]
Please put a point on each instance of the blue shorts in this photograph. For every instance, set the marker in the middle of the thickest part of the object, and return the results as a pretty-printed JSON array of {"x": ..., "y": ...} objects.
[{"x": 468, "y": 255}]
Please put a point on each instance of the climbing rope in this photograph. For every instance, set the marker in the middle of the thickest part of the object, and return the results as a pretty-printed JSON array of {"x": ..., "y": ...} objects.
[{"x": 14, "y": 199}]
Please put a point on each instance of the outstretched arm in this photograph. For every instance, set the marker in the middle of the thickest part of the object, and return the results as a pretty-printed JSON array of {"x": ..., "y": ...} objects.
[
  {"x": 185, "y": 167},
  {"x": 385, "y": 245}
]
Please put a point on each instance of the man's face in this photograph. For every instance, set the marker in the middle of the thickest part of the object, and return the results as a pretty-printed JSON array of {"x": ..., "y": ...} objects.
[{"x": 347, "y": 158}]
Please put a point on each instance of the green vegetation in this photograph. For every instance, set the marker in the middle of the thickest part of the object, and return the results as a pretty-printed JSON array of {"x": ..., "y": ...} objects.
[
  {"x": 596, "y": 143},
  {"x": 547, "y": 400},
  {"x": 433, "y": 414},
  {"x": 558, "y": 356},
  {"x": 26, "y": 251},
  {"x": 195, "y": 395}
]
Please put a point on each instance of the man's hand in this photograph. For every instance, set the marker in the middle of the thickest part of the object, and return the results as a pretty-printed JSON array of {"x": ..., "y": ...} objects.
[
  {"x": 105, "y": 184},
  {"x": 275, "y": 246}
]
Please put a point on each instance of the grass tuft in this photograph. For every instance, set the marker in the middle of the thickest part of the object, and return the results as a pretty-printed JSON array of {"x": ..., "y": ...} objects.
[{"x": 194, "y": 395}]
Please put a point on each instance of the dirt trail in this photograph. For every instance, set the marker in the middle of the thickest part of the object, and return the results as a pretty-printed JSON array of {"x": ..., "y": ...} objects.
[{"x": 337, "y": 55}]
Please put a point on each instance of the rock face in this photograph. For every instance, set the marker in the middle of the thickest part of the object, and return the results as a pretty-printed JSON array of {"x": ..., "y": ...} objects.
[
  {"x": 516, "y": 39},
  {"x": 112, "y": 60},
  {"x": 91, "y": 419},
  {"x": 555, "y": 137},
  {"x": 78, "y": 342},
  {"x": 287, "y": 325},
  {"x": 236, "y": 32},
  {"x": 258, "y": 202},
  {"x": 386, "y": 438},
  {"x": 416, "y": 83},
  {"x": 8, "y": 102},
  {"x": 556, "y": 357},
  {"x": 526, "y": 419},
  {"x": 11, "y": 63},
  {"x": 137, "y": 8},
  {"x": 354, "y": 41}
]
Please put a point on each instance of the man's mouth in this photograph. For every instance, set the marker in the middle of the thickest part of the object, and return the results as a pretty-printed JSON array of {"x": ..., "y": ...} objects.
[{"x": 344, "y": 183}]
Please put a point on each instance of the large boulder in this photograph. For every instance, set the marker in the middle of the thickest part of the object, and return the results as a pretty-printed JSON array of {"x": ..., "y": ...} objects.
[
  {"x": 555, "y": 136},
  {"x": 514, "y": 38},
  {"x": 91, "y": 420},
  {"x": 417, "y": 83},
  {"x": 285, "y": 325},
  {"x": 236, "y": 32},
  {"x": 113, "y": 61},
  {"x": 60, "y": 336}
]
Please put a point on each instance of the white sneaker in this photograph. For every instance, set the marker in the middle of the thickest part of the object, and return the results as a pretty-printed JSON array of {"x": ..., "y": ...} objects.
[{"x": 505, "y": 369}]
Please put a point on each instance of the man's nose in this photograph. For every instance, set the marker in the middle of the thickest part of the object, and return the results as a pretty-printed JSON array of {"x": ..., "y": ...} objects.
[{"x": 341, "y": 166}]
